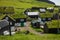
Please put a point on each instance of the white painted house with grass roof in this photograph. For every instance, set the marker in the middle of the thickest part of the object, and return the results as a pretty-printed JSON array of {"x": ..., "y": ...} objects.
[{"x": 32, "y": 13}]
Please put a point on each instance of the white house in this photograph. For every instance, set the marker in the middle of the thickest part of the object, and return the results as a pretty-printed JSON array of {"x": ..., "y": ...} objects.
[
  {"x": 42, "y": 10},
  {"x": 32, "y": 13}
]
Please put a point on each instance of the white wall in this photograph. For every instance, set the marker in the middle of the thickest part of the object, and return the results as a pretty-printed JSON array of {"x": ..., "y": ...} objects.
[{"x": 32, "y": 13}]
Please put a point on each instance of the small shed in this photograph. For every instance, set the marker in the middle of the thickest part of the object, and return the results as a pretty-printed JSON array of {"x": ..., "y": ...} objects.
[
  {"x": 33, "y": 14},
  {"x": 20, "y": 22}
]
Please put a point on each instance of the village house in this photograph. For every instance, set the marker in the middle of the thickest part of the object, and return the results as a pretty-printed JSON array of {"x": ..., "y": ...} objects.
[
  {"x": 10, "y": 27},
  {"x": 39, "y": 9},
  {"x": 20, "y": 22},
  {"x": 33, "y": 14},
  {"x": 5, "y": 28},
  {"x": 50, "y": 9},
  {"x": 37, "y": 23},
  {"x": 9, "y": 19}
]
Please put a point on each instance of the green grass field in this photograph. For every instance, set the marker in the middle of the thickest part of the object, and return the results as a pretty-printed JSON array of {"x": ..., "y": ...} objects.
[{"x": 31, "y": 37}]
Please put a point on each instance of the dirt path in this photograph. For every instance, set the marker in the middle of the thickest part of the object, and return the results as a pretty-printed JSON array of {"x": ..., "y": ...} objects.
[{"x": 30, "y": 29}]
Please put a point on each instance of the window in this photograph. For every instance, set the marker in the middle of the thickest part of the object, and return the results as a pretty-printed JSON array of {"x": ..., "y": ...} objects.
[
  {"x": 22, "y": 20},
  {"x": 10, "y": 23},
  {"x": 17, "y": 24},
  {"x": 0, "y": 27},
  {"x": 6, "y": 18}
]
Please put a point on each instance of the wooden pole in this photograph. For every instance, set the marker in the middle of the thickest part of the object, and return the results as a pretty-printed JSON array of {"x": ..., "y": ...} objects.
[{"x": 9, "y": 29}]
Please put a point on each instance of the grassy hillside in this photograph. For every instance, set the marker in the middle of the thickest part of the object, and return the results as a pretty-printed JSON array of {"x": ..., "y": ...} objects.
[{"x": 23, "y": 4}]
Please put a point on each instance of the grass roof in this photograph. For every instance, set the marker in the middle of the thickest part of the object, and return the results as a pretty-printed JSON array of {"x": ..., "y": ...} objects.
[{"x": 53, "y": 24}]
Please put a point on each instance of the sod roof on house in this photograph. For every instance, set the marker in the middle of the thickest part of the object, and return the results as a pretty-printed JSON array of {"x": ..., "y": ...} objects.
[
  {"x": 18, "y": 16},
  {"x": 53, "y": 24},
  {"x": 1, "y": 16},
  {"x": 12, "y": 16}
]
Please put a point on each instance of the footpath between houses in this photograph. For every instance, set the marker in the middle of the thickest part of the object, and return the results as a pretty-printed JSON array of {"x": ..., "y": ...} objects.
[{"x": 27, "y": 27}]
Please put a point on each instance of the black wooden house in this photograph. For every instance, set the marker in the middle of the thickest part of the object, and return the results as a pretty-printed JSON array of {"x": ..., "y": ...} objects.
[
  {"x": 20, "y": 22},
  {"x": 7, "y": 24},
  {"x": 4, "y": 25},
  {"x": 9, "y": 19}
]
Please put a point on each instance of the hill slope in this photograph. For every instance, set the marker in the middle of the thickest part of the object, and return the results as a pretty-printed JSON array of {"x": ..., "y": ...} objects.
[{"x": 21, "y": 5}]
